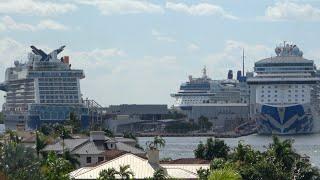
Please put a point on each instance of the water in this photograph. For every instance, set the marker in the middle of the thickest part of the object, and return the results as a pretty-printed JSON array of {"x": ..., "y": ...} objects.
[{"x": 182, "y": 147}]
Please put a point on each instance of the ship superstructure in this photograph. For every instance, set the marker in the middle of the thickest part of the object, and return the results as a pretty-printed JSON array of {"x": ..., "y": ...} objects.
[
  {"x": 204, "y": 90},
  {"x": 43, "y": 90},
  {"x": 223, "y": 102},
  {"x": 284, "y": 93}
]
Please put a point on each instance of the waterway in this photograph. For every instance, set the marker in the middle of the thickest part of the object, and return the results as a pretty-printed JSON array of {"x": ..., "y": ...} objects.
[{"x": 182, "y": 147}]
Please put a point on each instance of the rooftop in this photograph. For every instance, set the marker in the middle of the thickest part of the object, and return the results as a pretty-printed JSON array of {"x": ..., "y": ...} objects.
[{"x": 181, "y": 168}]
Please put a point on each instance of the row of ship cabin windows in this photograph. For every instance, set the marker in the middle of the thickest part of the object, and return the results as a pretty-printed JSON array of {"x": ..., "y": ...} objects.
[
  {"x": 275, "y": 91},
  {"x": 276, "y": 100},
  {"x": 296, "y": 86},
  {"x": 289, "y": 95}
]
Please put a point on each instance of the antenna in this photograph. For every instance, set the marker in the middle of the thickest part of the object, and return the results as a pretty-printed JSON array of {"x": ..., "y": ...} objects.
[{"x": 242, "y": 62}]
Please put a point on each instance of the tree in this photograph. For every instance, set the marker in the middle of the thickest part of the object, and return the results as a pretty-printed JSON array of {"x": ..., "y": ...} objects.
[
  {"x": 40, "y": 143},
  {"x": 125, "y": 172},
  {"x": 19, "y": 162},
  {"x": 159, "y": 174},
  {"x": 64, "y": 134},
  {"x": 108, "y": 132},
  {"x": 72, "y": 158},
  {"x": 203, "y": 173},
  {"x": 157, "y": 143},
  {"x": 204, "y": 123},
  {"x": 224, "y": 174},
  {"x": 108, "y": 174},
  {"x": 74, "y": 122},
  {"x": 56, "y": 168},
  {"x": 129, "y": 135},
  {"x": 1, "y": 118},
  {"x": 200, "y": 151},
  {"x": 283, "y": 152},
  {"x": 46, "y": 129},
  {"x": 212, "y": 149}
]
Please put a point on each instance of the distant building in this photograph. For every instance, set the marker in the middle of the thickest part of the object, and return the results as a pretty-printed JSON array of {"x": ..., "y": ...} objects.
[
  {"x": 224, "y": 117},
  {"x": 139, "y": 111},
  {"x": 43, "y": 90},
  {"x": 144, "y": 168},
  {"x": 135, "y": 117},
  {"x": 96, "y": 148}
]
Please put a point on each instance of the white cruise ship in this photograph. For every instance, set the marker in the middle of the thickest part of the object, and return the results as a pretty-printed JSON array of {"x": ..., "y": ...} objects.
[
  {"x": 284, "y": 93},
  {"x": 205, "y": 91}
]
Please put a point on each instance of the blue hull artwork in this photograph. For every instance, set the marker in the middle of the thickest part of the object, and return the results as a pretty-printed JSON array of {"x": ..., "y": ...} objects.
[{"x": 284, "y": 120}]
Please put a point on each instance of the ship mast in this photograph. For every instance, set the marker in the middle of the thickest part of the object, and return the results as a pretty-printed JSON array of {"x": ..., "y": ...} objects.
[{"x": 243, "y": 62}]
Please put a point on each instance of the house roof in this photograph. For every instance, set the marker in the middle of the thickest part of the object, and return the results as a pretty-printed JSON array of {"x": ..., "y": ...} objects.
[
  {"x": 69, "y": 144},
  {"x": 125, "y": 147},
  {"x": 85, "y": 146},
  {"x": 90, "y": 147},
  {"x": 141, "y": 168}
]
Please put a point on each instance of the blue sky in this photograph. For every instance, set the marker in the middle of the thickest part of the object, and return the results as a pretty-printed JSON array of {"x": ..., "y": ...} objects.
[{"x": 140, "y": 51}]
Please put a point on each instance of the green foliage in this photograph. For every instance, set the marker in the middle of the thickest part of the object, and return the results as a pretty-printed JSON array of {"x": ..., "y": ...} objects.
[
  {"x": 173, "y": 114},
  {"x": 159, "y": 174},
  {"x": 13, "y": 137},
  {"x": 108, "y": 133},
  {"x": 46, "y": 129},
  {"x": 279, "y": 161},
  {"x": 224, "y": 174},
  {"x": 72, "y": 158},
  {"x": 1, "y": 118},
  {"x": 108, "y": 174},
  {"x": 212, "y": 149},
  {"x": 74, "y": 122},
  {"x": 203, "y": 173},
  {"x": 204, "y": 123},
  {"x": 181, "y": 127},
  {"x": 125, "y": 172},
  {"x": 56, "y": 168},
  {"x": 157, "y": 143},
  {"x": 40, "y": 142},
  {"x": 129, "y": 135},
  {"x": 19, "y": 162}
]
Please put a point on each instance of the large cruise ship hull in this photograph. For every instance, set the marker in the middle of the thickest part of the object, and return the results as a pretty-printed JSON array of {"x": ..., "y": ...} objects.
[{"x": 285, "y": 120}]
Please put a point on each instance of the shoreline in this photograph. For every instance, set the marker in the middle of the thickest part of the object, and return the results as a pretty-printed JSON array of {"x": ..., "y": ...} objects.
[{"x": 195, "y": 135}]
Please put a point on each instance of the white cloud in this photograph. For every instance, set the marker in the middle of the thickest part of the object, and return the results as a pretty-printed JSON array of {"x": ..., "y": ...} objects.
[
  {"x": 109, "y": 7},
  {"x": 10, "y": 50},
  {"x": 231, "y": 57},
  {"x": 50, "y": 24},
  {"x": 162, "y": 37},
  {"x": 201, "y": 9},
  {"x": 292, "y": 11},
  {"x": 7, "y": 23},
  {"x": 192, "y": 47},
  {"x": 35, "y": 7}
]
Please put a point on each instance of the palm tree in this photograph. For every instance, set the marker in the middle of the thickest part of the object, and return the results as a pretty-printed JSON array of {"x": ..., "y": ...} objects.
[
  {"x": 125, "y": 172},
  {"x": 159, "y": 174},
  {"x": 64, "y": 134},
  {"x": 108, "y": 174},
  {"x": 224, "y": 174},
  {"x": 40, "y": 143},
  {"x": 72, "y": 158},
  {"x": 157, "y": 143},
  {"x": 283, "y": 151}
]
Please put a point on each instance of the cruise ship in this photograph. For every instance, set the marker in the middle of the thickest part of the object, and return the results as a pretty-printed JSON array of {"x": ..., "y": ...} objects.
[
  {"x": 224, "y": 102},
  {"x": 204, "y": 90},
  {"x": 44, "y": 89},
  {"x": 284, "y": 93}
]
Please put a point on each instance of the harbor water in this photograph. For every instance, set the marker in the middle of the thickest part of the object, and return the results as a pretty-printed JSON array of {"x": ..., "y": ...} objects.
[{"x": 182, "y": 147}]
